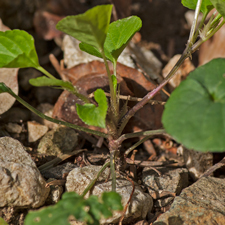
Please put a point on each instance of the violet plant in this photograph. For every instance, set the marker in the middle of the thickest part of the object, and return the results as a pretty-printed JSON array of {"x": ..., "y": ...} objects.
[{"x": 194, "y": 114}]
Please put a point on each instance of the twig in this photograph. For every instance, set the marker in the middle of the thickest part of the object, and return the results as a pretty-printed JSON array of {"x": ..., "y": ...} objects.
[
  {"x": 149, "y": 163},
  {"x": 135, "y": 145},
  {"x": 126, "y": 206},
  {"x": 130, "y": 98},
  {"x": 59, "y": 159},
  {"x": 213, "y": 168},
  {"x": 139, "y": 134},
  {"x": 56, "y": 182}
]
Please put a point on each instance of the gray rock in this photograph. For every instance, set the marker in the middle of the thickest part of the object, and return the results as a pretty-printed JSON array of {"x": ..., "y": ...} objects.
[
  {"x": 201, "y": 203},
  {"x": 170, "y": 181},
  {"x": 55, "y": 193},
  {"x": 197, "y": 162},
  {"x": 58, "y": 141},
  {"x": 13, "y": 128},
  {"x": 21, "y": 182},
  {"x": 141, "y": 203}
]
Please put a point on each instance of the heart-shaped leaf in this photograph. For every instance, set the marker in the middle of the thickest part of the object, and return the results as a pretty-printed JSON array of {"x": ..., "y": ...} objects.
[
  {"x": 206, "y": 5},
  {"x": 90, "y": 27},
  {"x": 92, "y": 115},
  {"x": 45, "y": 81},
  {"x": 17, "y": 50},
  {"x": 195, "y": 112},
  {"x": 220, "y": 6}
]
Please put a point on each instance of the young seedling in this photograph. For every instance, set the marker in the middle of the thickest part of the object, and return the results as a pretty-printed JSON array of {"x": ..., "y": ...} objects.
[{"x": 193, "y": 115}]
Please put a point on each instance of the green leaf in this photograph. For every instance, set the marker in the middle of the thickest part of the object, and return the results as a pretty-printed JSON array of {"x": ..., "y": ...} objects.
[
  {"x": 94, "y": 51},
  {"x": 97, "y": 208},
  {"x": 17, "y": 50},
  {"x": 71, "y": 205},
  {"x": 90, "y": 27},
  {"x": 3, "y": 88},
  {"x": 45, "y": 81},
  {"x": 205, "y": 7},
  {"x": 92, "y": 115},
  {"x": 112, "y": 200},
  {"x": 195, "y": 112},
  {"x": 119, "y": 34},
  {"x": 220, "y": 6},
  {"x": 2, "y": 222}
]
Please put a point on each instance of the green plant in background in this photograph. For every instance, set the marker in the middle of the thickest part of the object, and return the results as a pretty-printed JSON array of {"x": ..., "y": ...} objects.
[{"x": 193, "y": 115}]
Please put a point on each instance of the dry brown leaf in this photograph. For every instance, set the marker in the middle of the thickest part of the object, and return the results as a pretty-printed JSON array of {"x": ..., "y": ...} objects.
[{"x": 87, "y": 77}]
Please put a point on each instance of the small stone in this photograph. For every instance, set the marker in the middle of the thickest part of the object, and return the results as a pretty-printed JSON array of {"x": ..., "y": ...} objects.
[
  {"x": 181, "y": 73},
  {"x": 21, "y": 183},
  {"x": 171, "y": 180},
  {"x": 35, "y": 131},
  {"x": 13, "y": 128},
  {"x": 55, "y": 193},
  {"x": 201, "y": 203},
  {"x": 58, "y": 141},
  {"x": 46, "y": 109},
  {"x": 140, "y": 204}
]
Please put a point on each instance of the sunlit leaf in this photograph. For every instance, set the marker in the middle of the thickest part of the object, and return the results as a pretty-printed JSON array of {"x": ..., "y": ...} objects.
[
  {"x": 119, "y": 34},
  {"x": 91, "y": 114},
  {"x": 17, "y": 50},
  {"x": 206, "y": 5},
  {"x": 90, "y": 27}
]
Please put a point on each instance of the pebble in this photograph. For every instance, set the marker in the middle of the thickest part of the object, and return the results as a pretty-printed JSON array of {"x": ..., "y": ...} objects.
[
  {"x": 170, "y": 182},
  {"x": 58, "y": 141},
  {"x": 35, "y": 131},
  {"x": 22, "y": 185}
]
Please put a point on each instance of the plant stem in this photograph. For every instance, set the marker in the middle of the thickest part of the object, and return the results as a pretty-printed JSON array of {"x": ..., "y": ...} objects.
[
  {"x": 112, "y": 93},
  {"x": 202, "y": 40},
  {"x": 136, "y": 145},
  {"x": 43, "y": 116},
  {"x": 150, "y": 95},
  {"x": 112, "y": 168},
  {"x": 91, "y": 184},
  {"x": 41, "y": 69},
  {"x": 194, "y": 24}
]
